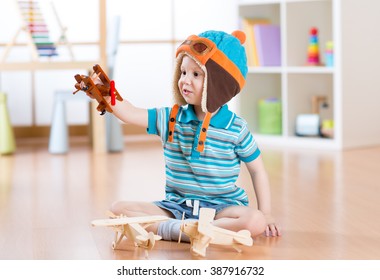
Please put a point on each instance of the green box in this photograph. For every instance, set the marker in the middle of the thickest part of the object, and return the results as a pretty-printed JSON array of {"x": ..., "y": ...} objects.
[
  {"x": 7, "y": 139},
  {"x": 270, "y": 116}
]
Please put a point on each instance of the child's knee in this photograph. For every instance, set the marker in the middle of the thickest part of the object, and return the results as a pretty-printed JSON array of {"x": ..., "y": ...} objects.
[
  {"x": 256, "y": 223},
  {"x": 118, "y": 207}
]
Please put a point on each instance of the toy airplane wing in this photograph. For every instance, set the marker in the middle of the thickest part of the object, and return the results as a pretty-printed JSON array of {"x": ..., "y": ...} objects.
[
  {"x": 98, "y": 91},
  {"x": 107, "y": 82},
  {"x": 223, "y": 236},
  {"x": 220, "y": 235},
  {"x": 244, "y": 237},
  {"x": 128, "y": 220}
]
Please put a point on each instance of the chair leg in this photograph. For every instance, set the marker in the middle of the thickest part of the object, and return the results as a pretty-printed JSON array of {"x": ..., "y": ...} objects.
[
  {"x": 114, "y": 134},
  {"x": 58, "y": 140}
]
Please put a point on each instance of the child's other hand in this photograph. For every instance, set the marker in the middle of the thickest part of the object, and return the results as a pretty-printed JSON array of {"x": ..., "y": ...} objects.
[{"x": 272, "y": 228}]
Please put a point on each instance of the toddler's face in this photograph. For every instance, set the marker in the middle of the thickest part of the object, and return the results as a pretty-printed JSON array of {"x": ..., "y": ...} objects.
[{"x": 191, "y": 81}]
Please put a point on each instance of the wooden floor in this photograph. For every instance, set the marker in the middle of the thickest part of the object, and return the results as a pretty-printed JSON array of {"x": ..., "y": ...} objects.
[{"x": 326, "y": 202}]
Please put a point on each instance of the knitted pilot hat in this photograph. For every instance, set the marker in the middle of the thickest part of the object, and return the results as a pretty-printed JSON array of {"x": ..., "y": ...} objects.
[{"x": 223, "y": 59}]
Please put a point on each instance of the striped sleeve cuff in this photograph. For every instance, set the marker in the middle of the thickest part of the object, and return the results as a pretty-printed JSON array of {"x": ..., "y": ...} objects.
[
  {"x": 252, "y": 157},
  {"x": 152, "y": 122}
]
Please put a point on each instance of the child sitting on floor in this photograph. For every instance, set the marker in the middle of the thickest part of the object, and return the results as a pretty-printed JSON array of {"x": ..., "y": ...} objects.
[{"x": 204, "y": 142}]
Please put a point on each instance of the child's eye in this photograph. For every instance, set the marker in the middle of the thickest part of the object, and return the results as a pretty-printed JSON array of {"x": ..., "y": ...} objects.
[
  {"x": 196, "y": 74},
  {"x": 183, "y": 72}
]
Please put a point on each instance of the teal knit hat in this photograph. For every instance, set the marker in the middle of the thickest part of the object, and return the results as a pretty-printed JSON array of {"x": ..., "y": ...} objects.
[
  {"x": 230, "y": 46},
  {"x": 223, "y": 59}
]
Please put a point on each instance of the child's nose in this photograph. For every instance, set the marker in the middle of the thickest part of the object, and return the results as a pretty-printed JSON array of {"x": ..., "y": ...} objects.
[{"x": 187, "y": 80}]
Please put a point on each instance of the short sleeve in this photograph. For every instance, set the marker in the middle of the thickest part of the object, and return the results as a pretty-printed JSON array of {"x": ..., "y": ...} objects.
[
  {"x": 152, "y": 122},
  {"x": 158, "y": 119},
  {"x": 247, "y": 148}
]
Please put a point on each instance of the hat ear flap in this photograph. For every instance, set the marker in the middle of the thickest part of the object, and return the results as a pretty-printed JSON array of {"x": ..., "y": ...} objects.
[{"x": 222, "y": 92}]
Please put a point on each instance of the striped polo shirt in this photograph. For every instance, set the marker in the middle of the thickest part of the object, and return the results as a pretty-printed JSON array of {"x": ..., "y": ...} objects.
[{"x": 209, "y": 175}]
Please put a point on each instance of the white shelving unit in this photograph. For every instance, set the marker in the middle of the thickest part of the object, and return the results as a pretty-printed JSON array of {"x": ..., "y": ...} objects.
[{"x": 351, "y": 85}]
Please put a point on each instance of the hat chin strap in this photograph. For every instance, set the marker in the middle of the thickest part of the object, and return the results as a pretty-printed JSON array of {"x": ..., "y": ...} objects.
[
  {"x": 203, "y": 133},
  {"x": 172, "y": 122}
]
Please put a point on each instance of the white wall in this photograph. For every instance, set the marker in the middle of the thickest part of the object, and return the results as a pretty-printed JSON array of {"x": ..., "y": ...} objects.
[
  {"x": 360, "y": 71},
  {"x": 143, "y": 72}
]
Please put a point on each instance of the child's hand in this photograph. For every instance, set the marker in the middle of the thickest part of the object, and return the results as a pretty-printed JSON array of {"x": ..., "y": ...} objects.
[
  {"x": 95, "y": 78},
  {"x": 97, "y": 81},
  {"x": 272, "y": 228},
  {"x": 88, "y": 93}
]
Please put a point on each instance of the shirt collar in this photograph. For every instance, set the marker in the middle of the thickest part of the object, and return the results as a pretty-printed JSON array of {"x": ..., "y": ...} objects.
[{"x": 222, "y": 119}]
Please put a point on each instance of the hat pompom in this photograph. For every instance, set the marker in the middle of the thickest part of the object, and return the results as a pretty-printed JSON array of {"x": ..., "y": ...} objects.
[{"x": 239, "y": 35}]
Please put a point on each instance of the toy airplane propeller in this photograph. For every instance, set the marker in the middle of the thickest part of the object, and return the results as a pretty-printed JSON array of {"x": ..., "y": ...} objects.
[
  {"x": 133, "y": 228},
  {"x": 202, "y": 233},
  {"x": 98, "y": 91}
]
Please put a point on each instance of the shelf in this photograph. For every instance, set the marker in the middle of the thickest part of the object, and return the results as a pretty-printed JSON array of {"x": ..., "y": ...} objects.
[
  {"x": 293, "y": 83},
  {"x": 291, "y": 70},
  {"x": 31, "y": 66},
  {"x": 258, "y": 2},
  {"x": 296, "y": 142},
  {"x": 274, "y": 70},
  {"x": 309, "y": 70}
]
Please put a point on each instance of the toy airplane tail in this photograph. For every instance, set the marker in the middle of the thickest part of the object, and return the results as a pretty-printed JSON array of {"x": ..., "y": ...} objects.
[{"x": 244, "y": 237}]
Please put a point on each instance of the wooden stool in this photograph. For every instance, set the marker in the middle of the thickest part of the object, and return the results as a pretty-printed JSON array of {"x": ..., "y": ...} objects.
[{"x": 59, "y": 136}]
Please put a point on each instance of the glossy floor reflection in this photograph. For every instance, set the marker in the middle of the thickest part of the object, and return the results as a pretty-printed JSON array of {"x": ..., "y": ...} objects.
[{"x": 326, "y": 203}]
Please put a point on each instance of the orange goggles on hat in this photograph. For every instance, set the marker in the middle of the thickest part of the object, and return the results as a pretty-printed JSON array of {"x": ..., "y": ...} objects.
[{"x": 202, "y": 49}]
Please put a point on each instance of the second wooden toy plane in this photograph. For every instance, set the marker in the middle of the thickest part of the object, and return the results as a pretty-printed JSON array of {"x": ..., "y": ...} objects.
[
  {"x": 133, "y": 228},
  {"x": 202, "y": 233},
  {"x": 99, "y": 90}
]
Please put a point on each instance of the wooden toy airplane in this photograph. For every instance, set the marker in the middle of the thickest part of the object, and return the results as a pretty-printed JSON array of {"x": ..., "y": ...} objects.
[
  {"x": 202, "y": 233},
  {"x": 105, "y": 88},
  {"x": 133, "y": 228}
]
